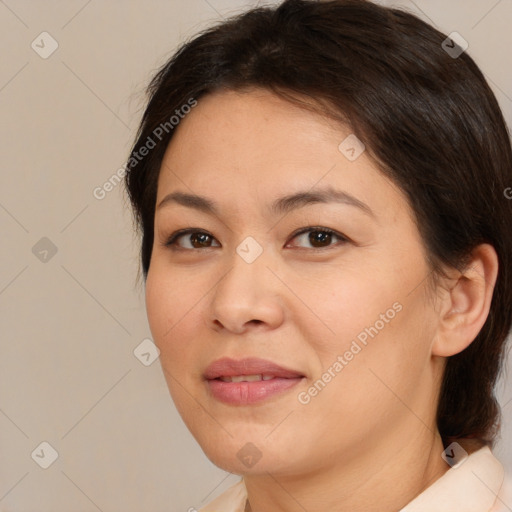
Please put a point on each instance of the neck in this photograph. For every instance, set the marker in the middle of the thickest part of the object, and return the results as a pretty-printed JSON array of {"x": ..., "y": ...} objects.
[{"x": 385, "y": 478}]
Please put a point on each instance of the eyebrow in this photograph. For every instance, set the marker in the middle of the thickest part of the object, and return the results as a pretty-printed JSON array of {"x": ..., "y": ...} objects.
[{"x": 280, "y": 206}]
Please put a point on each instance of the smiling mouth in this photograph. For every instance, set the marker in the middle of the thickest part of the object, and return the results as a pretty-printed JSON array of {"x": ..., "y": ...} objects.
[{"x": 249, "y": 380}]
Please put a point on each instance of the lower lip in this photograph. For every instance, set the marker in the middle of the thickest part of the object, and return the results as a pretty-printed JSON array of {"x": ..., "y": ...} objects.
[{"x": 245, "y": 393}]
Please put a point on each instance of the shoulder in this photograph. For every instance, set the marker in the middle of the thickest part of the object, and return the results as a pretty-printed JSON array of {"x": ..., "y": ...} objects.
[{"x": 504, "y": 498}]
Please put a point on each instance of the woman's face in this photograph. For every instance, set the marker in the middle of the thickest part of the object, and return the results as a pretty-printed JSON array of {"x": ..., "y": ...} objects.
[{"x": 262, "y": 276}]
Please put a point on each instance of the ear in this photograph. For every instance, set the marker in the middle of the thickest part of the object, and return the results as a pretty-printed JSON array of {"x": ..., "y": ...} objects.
[{"x": 466, "y": 302}]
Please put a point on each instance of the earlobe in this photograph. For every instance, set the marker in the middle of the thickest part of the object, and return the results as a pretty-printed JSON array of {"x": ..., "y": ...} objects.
[{"x": 466, "y": 303}]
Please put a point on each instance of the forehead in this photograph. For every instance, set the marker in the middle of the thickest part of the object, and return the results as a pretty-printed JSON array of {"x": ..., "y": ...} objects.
[{"x": 253, "y": 145}]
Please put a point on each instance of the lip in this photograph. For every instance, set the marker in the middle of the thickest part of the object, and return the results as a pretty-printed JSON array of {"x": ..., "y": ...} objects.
[
  {"x": 227, "y": 367},
  {"x": 246, "y": 393}
]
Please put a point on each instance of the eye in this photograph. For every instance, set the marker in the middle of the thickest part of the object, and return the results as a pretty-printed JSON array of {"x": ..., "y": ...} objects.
[
  {"x": 319, "y": 237},
  {"x": 192, "y": 239}
]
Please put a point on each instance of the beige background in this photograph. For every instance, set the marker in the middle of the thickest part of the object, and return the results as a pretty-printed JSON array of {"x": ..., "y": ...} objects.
[{"x": 70, "y": 321}]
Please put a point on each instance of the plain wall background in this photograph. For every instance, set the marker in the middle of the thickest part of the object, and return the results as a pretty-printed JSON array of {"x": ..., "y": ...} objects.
[{"x": 70, "y": 323}]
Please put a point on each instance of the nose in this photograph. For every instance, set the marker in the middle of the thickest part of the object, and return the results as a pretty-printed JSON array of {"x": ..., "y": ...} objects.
[{"x": 248, "y": 296}]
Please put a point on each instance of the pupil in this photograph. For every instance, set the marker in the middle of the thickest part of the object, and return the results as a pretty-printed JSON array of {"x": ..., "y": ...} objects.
[
  {"x": 201, "y": 239},
  {"x": 319, "y": 238}
]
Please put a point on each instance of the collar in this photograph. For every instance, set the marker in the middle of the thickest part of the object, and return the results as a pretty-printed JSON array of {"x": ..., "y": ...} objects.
[{"x": 472, "y": 486}]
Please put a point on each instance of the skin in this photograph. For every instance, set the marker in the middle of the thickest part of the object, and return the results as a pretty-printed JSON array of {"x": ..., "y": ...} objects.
[{"x": 368, "y": 441}]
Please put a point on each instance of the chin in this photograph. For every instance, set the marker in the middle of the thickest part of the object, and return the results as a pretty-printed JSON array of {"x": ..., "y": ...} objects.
[{"x": 242, "y": 457}]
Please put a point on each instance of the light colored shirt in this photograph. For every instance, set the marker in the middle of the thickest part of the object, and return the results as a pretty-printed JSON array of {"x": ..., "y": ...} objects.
[{"x": 473, "y": 486}]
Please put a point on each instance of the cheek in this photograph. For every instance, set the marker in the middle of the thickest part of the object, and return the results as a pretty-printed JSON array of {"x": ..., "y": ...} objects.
[
  {"x": 158, "y": 304},
  {"x": 350, "y": 304},
  {"x": 173, "y": 321},
  {"x": 364, "y": 381},
  {"x": 170, "y": 312},
  {"x": 374, "y": 323}
]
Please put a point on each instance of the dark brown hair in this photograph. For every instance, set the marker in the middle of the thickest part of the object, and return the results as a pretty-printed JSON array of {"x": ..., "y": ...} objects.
[{"x": 427, "y": 117}]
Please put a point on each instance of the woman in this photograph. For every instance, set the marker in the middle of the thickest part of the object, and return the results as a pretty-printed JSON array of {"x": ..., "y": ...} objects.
[{"x": 326, "y": 253}]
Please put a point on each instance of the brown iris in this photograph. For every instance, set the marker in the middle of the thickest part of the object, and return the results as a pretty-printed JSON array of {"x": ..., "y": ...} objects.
[
  {"x": 320, "y": 238},
  {"x": 201, "y": 239}
]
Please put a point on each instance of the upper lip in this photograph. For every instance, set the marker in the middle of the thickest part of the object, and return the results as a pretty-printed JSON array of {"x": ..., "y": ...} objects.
[{"x": 227, "y": 367}]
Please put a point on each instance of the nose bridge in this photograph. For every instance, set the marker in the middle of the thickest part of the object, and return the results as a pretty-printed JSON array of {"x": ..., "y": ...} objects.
[
  {"x": 247, "y": 273},
  {"x": 247, "y": 291}
]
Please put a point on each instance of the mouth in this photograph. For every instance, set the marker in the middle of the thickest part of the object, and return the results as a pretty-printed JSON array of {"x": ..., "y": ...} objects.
[
  {"x": 248, "y": 381},
  {"x": 246, "y": 378}
]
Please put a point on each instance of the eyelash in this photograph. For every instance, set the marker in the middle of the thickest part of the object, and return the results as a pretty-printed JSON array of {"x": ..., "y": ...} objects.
[{"x": 171, "y": 241}]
